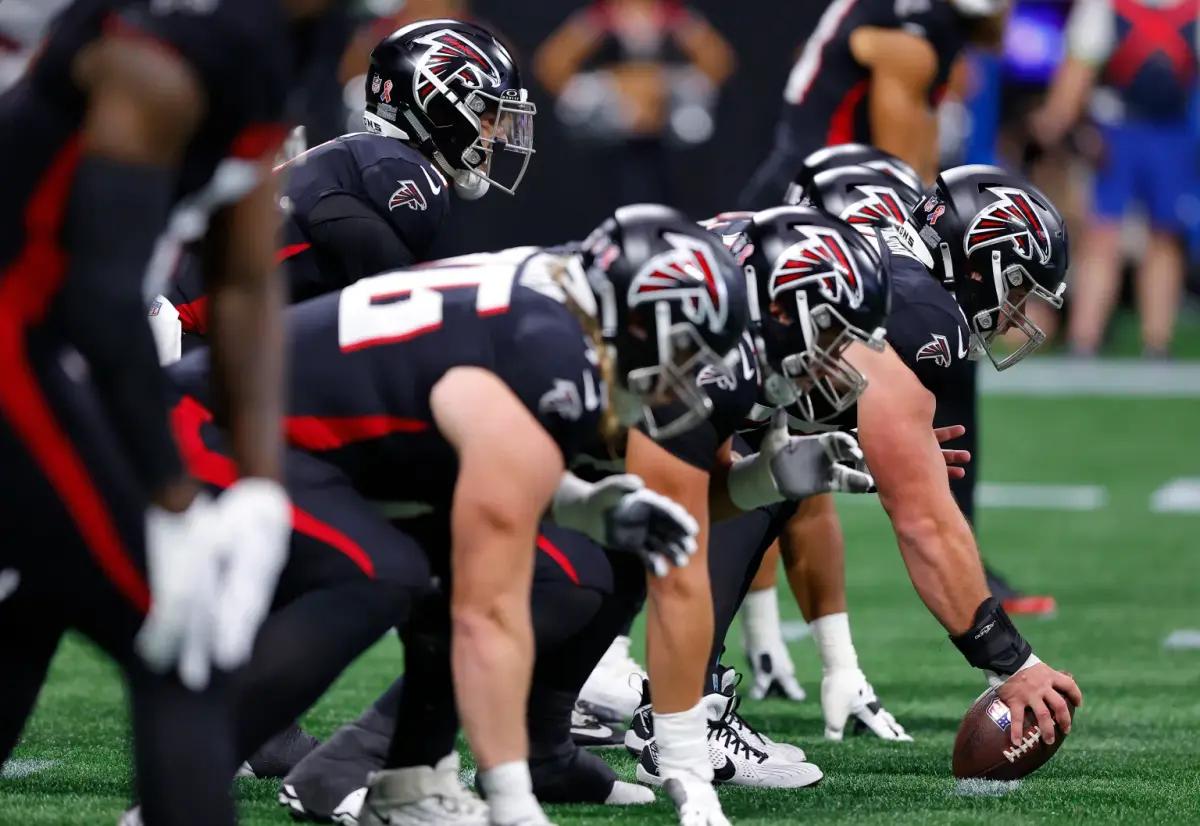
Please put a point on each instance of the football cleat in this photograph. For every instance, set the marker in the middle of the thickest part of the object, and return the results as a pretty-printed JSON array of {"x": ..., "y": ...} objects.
[
  {"x": 588, "y": 731},
  {"x": 422, "y": 796},
  {"x": 846, "y": 694},
  {"x": 280, "y": 754},
  {"x": 330, "y": 783},
  {"x": 1017, "y": 602},
  {"x": 611, "y": 690},
  {"x": 724, "y": 705},
  {"x": 736, "y": 762},
  {"x": 774, "y": 674},
  {"x": 641, "y": 727},
  {"x": 696, "y": 802}
]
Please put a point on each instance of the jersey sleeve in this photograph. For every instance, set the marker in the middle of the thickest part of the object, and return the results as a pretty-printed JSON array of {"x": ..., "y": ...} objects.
[
  {"x": 351, "y": 241},
  {"x": 933, "y": 343},
  {"x": 548, "y": 364},
  {"x": 411, "y": 197}
]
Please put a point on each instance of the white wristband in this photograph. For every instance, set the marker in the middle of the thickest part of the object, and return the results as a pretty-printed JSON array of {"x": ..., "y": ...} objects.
[{"x": 751, "y": 484}]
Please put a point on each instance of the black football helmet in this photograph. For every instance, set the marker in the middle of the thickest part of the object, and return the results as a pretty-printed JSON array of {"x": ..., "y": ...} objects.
[
  {"x": 850, "y": 154},
  {"x": 869, "y": 200},
  {"x": 815, "y": 286},
  {"x": 996, "y": 242},
  {"x": 454, "y": 91},
  {"x": 672, "y": 301}
]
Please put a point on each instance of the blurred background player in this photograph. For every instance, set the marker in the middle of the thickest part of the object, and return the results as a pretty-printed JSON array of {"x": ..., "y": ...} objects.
[
  {"x": 124, "y": 157},
  {"x": 871, "y": 72},
  {"x": 631, "y": 78},
  {"x": 1131, "y": 65}
]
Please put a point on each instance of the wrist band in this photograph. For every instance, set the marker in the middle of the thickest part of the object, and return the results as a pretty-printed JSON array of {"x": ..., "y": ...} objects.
[{"x": 993, "y": 642}]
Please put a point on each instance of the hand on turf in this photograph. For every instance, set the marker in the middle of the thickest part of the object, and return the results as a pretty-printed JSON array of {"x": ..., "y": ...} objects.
[
  {"x": 696, "y": 802},
  {"x": 845, "y": 694},
  {"x": 774, "y": 674},
  {"x": 954, "y": 458},
  {"x": 213, "y": 570},
  {"x": 1040, "y": 689}
]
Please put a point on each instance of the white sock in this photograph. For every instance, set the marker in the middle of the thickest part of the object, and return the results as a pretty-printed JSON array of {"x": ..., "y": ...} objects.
[
  {"x": 832, "y": 635},
  {"x": 760, "y": 621},
  {"x": 682, "y": 739},
  {"x": 508, "y": 790}
]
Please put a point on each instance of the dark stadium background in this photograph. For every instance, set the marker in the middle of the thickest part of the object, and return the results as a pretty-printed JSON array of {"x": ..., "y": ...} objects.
[{"x": 566, "y": 192}]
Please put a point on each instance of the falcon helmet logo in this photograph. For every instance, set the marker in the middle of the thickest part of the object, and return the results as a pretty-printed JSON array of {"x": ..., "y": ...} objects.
[
  {"x": 880, "y": 206},
  {"x": 1012, "y": 218},
  {"x": 409, "y": 195},
  {"x": 722, "y": 379},
  {"x": 936, "y": 350},
  {"x": 686, "y": 272},
  {"x": 450, "y": 56},
  {"x": 821, "y": 258}
]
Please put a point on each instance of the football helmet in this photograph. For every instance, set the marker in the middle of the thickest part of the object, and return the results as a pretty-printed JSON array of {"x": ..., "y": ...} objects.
[
  {"x": 869, "y": 200},
  {"x": 850, "y": 154},
  {"x": 997, "y": 243},
  {"x": 815, "y": 286},
  {"x": 453, "y": 90},
  {"x": 672, "y": 301}
]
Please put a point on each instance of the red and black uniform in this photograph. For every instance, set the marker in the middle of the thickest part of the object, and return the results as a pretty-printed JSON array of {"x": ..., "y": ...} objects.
[
  {"x": 83, "y": 426},
  {"x": 354, "y": 206},
  {"x": 370, "y": 476},
  {"x": 927, "y": 330},
  {"x": 827, "y": 96}
]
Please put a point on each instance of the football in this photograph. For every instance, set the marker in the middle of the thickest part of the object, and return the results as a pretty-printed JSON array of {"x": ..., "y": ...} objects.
[{"x": 983, "y": 748}]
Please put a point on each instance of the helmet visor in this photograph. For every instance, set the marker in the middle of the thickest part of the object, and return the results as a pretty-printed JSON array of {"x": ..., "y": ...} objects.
[
  {"x": 501, "y": 153},
  {"x": 1006, "y": 333}
]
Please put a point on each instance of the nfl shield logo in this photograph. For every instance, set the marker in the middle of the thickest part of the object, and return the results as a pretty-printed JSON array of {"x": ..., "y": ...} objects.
[
  {"x": 1000, "y": 715},
  {"x": 376, "y": 82}
]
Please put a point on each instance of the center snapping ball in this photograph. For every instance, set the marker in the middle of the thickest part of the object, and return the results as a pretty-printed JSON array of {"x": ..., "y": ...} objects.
[{"x": 983, "y": 748}]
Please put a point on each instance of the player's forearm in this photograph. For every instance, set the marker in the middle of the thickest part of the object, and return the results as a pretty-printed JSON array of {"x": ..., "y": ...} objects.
[
  {"x": 940, "y": 553},
  {"x": 492, "y": 643},
  {"x": 246, "y": 321}
]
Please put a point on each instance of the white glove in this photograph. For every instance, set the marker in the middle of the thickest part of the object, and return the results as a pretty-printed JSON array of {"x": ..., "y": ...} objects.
[
  {"x": 696, "y": 802},
  {"x": 795, "y": 467},
  {"x": 166, "y": 329},
  {"x": 213, "y": 571},
  {"x": 620, "y": 514},
  {"x": 774, "y": 674},
  {"x": 846, "y": 692}
]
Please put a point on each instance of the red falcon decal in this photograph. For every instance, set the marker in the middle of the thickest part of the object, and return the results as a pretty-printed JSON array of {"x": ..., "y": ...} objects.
[
  {"x": 450, "y": 55},
  {"x": 409, "y": 195},
  {"x": 1013, "y": 218},
  {"x": 881, "y": 206},
  {"x": 821, "y": 258},
  {"x": 686, "y": 272}
]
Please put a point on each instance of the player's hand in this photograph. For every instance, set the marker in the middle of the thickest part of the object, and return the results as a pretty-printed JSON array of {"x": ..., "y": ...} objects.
[
  {"x": 1040, "y": 689},
  {"x": 657, "y": 529},
  {"x": 845, "y": 694},
  {"x": 213, "y": 570},
  {"x": 696, "y": 802},
  {"x": 953, "y": 458},
  {"x": 774, "y": 674}
]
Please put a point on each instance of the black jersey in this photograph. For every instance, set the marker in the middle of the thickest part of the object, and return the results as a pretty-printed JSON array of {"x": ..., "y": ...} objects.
[
  {"x": 927, "y": 330},
  {"x": 363, "y": 361},
  {"x": 353, "y": 206},
  {"x": 238, "y": 50},
  {"x": 826, "y": 97}
]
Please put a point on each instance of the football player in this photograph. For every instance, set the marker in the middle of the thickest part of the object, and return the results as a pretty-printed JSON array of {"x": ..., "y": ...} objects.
[
  {"x": 132, "y": 132},
  {"x": 458, "y": 392},
  {"x": 693, "y": 466},
  {"x": 445, "y": 111},
  {"x": 872, "y": 72},
  {"x": 997, "y": 244}
]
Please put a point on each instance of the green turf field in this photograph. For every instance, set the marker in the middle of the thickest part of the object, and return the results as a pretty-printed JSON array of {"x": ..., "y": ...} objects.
[{"x": 1124, "y": 578}]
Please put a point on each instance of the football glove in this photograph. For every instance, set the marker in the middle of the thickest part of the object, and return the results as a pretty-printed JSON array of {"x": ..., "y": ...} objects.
[
  {"x": 846, "y": 693},
  {"x": 619, "y": 513}
]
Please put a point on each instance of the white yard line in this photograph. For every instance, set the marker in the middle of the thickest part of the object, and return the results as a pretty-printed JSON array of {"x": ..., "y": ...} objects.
[
  {"x": 1051, "y": 376},
  {"x": 18, "y": 767},
  {"x": 794, "y": 630},
  {"x": 1177, "y": 496},
  {"x": 1024, "y": 496},
  {"x": 1183, "y": 639}
]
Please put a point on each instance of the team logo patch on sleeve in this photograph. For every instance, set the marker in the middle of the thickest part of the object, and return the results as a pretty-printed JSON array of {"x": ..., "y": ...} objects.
[
  {"x": 936, "y": 350},
  {"x": 408, "y": 195},
  {"x": 562, "y": 400}
]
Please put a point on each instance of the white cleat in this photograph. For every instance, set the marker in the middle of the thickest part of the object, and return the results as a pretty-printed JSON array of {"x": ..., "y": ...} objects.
[
  {"x": 696, "y": 802},
  {"x": 718, "y": 706},
  {"x": 846, "y": 694},
  {"x": 613, "y": 689},
  {"x": 421, "y": 796}
]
